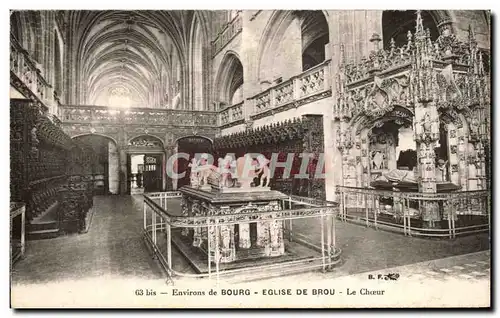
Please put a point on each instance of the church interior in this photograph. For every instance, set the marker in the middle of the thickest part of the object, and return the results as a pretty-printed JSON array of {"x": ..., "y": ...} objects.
[{"x": 131, "y": 131}]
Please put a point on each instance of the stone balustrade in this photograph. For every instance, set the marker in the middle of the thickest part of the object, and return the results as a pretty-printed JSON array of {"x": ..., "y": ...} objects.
[
  {"x": 28, "y": 78},
  {"x": 231, "y": 29},
  {"x": 231, "y": 115},
  {"x": 301, "y": 89},
  {"x": 137, "y": 116}
]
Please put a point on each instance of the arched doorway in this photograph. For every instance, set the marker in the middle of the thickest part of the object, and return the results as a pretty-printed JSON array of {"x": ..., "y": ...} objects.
[
  {"x": 106, "y": 174},
  {"x": 396, "y": 25},
  {"x": 190, "y": 147},
  {"x": 145, "y": 164}
]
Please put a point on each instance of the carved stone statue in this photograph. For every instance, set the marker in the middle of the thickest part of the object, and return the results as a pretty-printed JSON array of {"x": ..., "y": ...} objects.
[
  {"x": 377, "y": 160},
  {"x": 176, "y": 101},
  {"x": 277, "y": 247},
  {"x": 246, "y": 171},
  {"x": 227, "y": 250},
  {"x": 204, "y": 170},
  {"x": 244, "y": 233},
  {"x": 474, "y": 126},
  {"x": 194, "y": 178},
  {"x": 34, "y": 141},
  {"x": 442, "y": 171},
  {"x": 227, "y": 166},
  {"x": 426, "y": 123},
  {"x": 264, "y": 169}
]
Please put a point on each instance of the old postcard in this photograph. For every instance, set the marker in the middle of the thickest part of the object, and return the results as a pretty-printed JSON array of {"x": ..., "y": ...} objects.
[{"x": 250, "y": 158}]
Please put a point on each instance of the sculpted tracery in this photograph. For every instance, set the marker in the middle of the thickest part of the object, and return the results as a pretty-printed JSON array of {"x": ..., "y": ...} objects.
[{"x": 440, "y": 96}]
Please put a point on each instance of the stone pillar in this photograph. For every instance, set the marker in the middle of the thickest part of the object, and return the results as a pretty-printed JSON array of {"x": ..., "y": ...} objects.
[
  {"x": 336, "y": 162},
  {"x": 365, "y": 158},
  {"x": 113, "y": 168},
  {"x": 354, "y": 30},
  {"x": 426, "y": 127},
  {"x": 453, "y": 154},
  {"x": 123, "y": 170},
  {"x": 477, "y": 171},
  {"x": 244, "y": 232},
  {"x": 481, "y": 156},
  {"x": 169, "y": 167},
  {"x": 392, "y": 160}
]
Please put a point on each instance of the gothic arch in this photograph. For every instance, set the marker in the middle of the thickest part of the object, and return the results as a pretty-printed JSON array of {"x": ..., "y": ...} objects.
[
  {"x": 271, "y": 37},
  {"x": 362, "y": 121},
  {"x": 379, "y": 122},
  {"x": 229, "y": 77},
  {"x": 397, "y": 23},
  {"x": 198, "y": 136},
  {"x": 459, "y": 119},
  {"x": 96, "y": 134}
]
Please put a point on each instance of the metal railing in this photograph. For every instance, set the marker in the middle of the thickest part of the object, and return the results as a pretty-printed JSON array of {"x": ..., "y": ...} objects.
[
  {"x": 451, "y": 214},
  {"x": 162, "y": 224}
]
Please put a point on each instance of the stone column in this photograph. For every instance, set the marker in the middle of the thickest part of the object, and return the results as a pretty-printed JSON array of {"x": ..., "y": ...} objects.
[
  {"x": 169, "y": 166},
  {"x": 477, "y": 165},
  {"x": 244, "y": 233},
  {"x": 354, "y": 30},
  {"x": 426, "y": 127},
  {"x": 365, "y": 158},
  {"x": 336, "y": 163},
  {"x": 123, "y": 170},
  {"x": 482, "y": 161},
  {"x": 113, "y": 168}
]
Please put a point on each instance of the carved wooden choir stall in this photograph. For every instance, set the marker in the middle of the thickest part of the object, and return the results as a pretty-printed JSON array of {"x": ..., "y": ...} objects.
[{"x": 50, "y": 172}]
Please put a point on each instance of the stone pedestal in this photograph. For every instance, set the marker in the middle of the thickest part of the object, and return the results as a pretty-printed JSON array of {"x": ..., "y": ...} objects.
[{"x": 227, "y": 243}]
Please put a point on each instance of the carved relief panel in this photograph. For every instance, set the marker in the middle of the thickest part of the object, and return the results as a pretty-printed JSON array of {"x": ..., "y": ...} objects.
[
  {"x": 149, "y": 142},
  {"x": 381, "y": 154},
  {"x": 462, "y": 157}
]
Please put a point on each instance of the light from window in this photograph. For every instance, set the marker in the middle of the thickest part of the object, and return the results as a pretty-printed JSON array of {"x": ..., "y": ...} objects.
[{"x": 119, "y": 97}]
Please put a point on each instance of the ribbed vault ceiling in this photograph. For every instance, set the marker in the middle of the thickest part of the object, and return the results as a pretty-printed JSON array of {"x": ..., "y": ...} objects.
[{"x": 131, "y": 54}]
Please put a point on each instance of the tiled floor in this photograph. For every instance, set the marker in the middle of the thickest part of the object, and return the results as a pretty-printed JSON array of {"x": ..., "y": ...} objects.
[
  {"x": 472, "y": 267},
  {"x": 365, "y": 249},
  {"x": 114, "y": 247}
]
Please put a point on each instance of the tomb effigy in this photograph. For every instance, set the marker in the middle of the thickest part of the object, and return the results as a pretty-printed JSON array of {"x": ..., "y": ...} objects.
[{"x": 233, "y": 187}]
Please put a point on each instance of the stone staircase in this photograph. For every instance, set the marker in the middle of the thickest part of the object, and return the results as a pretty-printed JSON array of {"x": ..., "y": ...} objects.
[{"x": 45, "y": 225}]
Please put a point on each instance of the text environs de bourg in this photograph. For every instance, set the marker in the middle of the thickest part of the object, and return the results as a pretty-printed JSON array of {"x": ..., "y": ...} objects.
[{"x": 280, "y": 292}]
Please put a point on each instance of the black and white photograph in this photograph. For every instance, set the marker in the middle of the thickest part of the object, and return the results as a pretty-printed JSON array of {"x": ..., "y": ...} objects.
[{"x": 250, "y": 158}]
